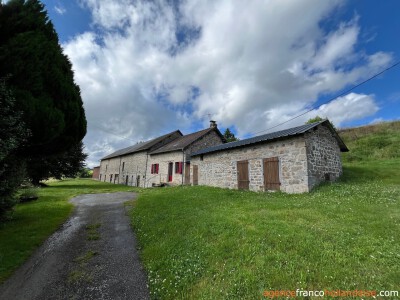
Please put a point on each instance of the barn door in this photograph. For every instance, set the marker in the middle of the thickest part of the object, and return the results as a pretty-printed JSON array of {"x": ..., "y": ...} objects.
[
  {"x": 243, "y": 174},
  {"x": 271, "y": 174},
  {"x": 187, "y": 173},
  {"x": 195, "y": 175}
]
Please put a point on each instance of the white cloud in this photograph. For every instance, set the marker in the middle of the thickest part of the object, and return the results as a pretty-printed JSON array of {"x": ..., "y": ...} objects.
[
  {"x": 252, "y": 63},
  {"x": 60, "y": 9}
]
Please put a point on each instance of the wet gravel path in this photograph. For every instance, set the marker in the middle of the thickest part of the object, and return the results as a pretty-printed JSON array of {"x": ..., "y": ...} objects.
[{"x": 93, "y": 256}]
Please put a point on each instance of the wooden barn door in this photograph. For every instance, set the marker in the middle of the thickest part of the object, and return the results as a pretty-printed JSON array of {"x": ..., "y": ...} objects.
[
  {"x": 187, "y": 173},
  {"x": 243, "y": 175},
  {"x": 271, "y": 174},
  {"x": 195, "y": 175}
]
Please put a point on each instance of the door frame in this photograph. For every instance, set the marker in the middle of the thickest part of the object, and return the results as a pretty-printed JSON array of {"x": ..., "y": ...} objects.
[{"x": 170, "y": 171}]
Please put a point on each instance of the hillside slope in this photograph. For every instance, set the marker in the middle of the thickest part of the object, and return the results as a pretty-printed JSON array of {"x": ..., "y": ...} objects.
[{"x": 373, "y": 142}]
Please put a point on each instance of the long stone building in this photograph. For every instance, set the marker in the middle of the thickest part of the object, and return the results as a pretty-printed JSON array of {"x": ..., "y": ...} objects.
[
  {"x": 293, "y": 160},
  {"x": 163, "y": 160}
]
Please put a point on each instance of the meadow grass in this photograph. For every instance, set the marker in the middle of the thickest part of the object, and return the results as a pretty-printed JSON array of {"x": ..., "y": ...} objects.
[
  {"x": 211, "y": 243},
  {"x": 33, "y": 222}
]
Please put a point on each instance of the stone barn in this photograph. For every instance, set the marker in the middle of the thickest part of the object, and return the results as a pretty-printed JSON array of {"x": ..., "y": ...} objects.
[
  {"x": 170, "y": 164},
  {"x": 96, "y": 172},
  {"x": 129, "y": 165},
  {"x": 293, "y": 160}
]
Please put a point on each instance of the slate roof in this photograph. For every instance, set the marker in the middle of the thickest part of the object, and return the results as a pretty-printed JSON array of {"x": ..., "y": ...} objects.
[
  {"x": 274, "y": 136},
  {"x": 140, "y": 146},
  {"x": 184, "y": 141}
]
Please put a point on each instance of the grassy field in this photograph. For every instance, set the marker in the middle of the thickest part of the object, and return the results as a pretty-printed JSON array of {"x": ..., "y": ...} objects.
[
  {"x": 210, "y": 243},
  {"x": 34, "y": 221}
]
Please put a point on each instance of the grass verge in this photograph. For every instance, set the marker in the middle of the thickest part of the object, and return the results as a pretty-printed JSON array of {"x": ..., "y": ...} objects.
[
  {"x": 33, "y": 222},
  {"x": 210, "y": 243}
]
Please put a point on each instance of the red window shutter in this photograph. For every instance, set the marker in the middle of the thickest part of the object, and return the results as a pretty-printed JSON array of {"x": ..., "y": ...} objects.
[
  {"x": 180, "y": 167},
  {"x": 157, "y": 168}
]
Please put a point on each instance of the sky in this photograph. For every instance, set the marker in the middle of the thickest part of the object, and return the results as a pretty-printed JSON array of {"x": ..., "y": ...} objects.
[{"x": 146, "y": 68}]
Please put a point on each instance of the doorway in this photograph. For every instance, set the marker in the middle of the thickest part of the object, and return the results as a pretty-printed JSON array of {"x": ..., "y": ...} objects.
[{"x": 170, "y": 169}]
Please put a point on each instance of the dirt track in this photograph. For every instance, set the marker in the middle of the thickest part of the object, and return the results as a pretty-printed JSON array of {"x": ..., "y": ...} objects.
[{"x": 93, "y": 256}]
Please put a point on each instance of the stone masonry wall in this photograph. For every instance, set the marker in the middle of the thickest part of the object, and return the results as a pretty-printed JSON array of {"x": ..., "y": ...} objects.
[
  {"x": 131, "y": 165},
  {"x": 109, "y": 167},
  {"x": 208, "y": 140},
  {"x": 134, "y": 168},
  {"x": 323, "y": 153},
  {"x": 163, "y": 159},
  {"x": 220, "y": 168}
]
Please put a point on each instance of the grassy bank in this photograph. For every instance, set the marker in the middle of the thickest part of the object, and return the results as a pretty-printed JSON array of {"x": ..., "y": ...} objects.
[
  {"x": 34, "y": 221},
  {"x": 209, "y": 243}
]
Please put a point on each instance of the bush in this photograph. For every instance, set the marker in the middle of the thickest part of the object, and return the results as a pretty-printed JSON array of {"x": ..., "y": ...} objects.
[
  {"x": 12, "y": 174},
  {"x": 28, "y": 194}
]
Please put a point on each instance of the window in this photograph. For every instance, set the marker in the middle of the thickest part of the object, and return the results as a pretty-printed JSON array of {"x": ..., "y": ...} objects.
[
  {"x": 178, "y": 167},
  {"x": 154, "y": 168},
  {"x": 123, "y": 166}
]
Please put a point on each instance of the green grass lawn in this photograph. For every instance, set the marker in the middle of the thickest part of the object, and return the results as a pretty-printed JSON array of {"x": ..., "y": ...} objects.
[
  {"x": 34, "y": 221},
  {"x": 210, "y": 243}
]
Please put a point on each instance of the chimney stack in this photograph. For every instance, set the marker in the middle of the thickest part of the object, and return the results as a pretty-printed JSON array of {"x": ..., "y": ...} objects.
[{"x": 213, "y": 124}]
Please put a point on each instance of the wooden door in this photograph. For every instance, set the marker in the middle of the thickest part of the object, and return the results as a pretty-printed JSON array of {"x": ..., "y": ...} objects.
[
  {"x": 170, "y": 168},
  {"x": 187, "y": 173},
  {"x": 195, "y": 175},
  {"x": 271, "y": 174},
  {"x": 243, "y": 174}
]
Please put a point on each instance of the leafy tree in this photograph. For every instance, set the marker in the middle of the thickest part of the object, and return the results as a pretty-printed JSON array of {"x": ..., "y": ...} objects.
[
  {"x": 314, "y": 120},
  {"x": 85, "y": 173},
  {"x": 12, "y": 135},
  {"x": 67, "y": 164},
  {"x": 318, "y": 119},
  {"x": 229, "y": 136},
  {"x": 41, "y": 79}
]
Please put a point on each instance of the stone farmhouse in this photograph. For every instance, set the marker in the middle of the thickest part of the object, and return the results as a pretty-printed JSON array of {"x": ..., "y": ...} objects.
[
  {"x": 293, "y": 160},
  {"x": 163, "y": 160}
]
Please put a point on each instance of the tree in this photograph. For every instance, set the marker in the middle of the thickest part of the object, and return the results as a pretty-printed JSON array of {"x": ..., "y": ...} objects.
[
  {"x": 42, "y": 82},
  {"x": 318, "y": 119},
  {"x": 41, "y": 79},
  {"x": 314, "y": 120},
  {"x": 12, "y": 135},
  {"x": 229, "y": 136},
  {"x": 67, "y": 164}
]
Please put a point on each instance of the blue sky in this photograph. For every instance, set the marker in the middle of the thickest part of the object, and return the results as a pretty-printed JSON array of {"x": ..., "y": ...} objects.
[{"x": 149, "y": 67}]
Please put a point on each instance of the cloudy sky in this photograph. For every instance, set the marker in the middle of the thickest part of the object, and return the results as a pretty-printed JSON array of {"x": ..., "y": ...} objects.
[{"x": 146, "y": 68}]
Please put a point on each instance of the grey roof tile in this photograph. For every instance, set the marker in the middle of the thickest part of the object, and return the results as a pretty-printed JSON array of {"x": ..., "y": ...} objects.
[
  {"x": 272, "y": 136},
  {"x": 140, "y": 146}
]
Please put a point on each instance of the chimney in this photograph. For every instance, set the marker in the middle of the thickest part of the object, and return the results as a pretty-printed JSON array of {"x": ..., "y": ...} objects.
[{"x": 213, "y": 124}]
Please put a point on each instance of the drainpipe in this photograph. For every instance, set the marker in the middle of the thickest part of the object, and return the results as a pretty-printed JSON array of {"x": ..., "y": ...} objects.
[
  {"x": 183, "y": 163},
  {"x": 145, "y": 171},
  {"x": 119, "y": 168}
]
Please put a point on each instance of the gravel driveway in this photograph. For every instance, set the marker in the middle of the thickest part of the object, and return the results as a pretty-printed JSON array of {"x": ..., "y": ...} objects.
[{"x": 93, "y": 256}]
